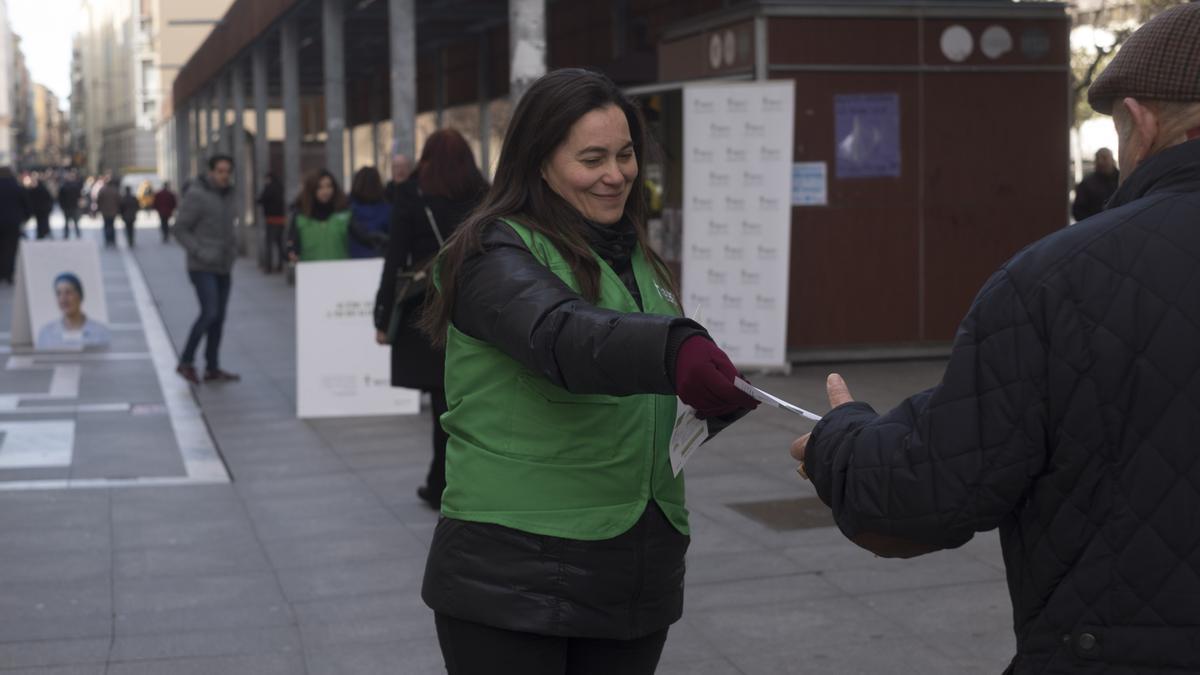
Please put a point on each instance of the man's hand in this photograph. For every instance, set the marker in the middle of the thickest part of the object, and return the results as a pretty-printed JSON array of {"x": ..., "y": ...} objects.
[
  {"x": 839, "y": 394},
  {"x": 381, "y": 337}
]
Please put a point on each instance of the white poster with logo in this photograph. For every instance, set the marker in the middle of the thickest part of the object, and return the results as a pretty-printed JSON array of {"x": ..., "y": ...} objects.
[
  {"x": 737, "y": 190},
  {"x": 340, "y": 370}
]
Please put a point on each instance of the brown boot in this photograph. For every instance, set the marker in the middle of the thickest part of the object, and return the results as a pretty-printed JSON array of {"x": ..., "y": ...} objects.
[
  {"x": 188, "y": 372},
  {"x": 218, "y": 375}
]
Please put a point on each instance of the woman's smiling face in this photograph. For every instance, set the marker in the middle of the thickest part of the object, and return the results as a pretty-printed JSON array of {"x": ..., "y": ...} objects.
[{"x": 595, "y": 167}]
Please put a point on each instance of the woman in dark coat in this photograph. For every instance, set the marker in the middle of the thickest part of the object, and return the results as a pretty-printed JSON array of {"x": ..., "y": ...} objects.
[{"x": 446, "y": 185}]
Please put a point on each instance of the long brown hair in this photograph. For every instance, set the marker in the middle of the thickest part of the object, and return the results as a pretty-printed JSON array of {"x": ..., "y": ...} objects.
[
  {"x": 541, "y": 122},
  {"x": 447, "y": 167},
  {"x": 367, "y": 187},
  {"x": 308, "y": 196}
]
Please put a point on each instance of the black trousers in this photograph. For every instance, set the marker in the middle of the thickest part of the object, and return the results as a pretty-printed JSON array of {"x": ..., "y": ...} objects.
[
  {"x": 212, "y": 290},
  {"x": 166, "y": 226},
  {"x": 110, "y": 230},
  {"x": 475, "y": 649},
  {"x": 130, "y": 223},
  {"x": 68, "y": 218},
  {"x": 10, "y": 240},
  {"x": 275, "y": 248},
  {"x": 43, "y": 226}
]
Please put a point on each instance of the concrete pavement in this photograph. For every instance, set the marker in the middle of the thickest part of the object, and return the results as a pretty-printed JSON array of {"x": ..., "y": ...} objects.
[{"x": 310, "y": 559}]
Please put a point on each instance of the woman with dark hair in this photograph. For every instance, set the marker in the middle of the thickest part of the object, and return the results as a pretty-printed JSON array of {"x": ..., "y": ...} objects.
[
  {"x": 322, "y": 225},
  {"x": 426, "y": 212},
  {"x": 371, "y": 211},
  {"x": 561, "y": 549}
]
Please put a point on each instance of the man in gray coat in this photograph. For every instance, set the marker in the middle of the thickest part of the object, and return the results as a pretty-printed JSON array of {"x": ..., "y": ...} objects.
[{"x": 204, "y": 226}]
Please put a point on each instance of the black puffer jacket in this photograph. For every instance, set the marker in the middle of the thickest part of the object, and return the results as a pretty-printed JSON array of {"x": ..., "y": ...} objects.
[
  {"x": 620, "y": 588},
  {"x": 1069, "y": 417}
]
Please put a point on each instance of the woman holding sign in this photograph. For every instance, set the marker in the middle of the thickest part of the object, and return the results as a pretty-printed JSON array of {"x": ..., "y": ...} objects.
[{"x": 561, "y": 549}]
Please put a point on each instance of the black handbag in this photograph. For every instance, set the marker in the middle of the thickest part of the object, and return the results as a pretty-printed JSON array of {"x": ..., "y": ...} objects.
[{"x": 413, "y": 282}]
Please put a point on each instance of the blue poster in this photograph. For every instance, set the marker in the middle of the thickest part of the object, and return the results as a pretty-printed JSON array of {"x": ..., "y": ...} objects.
[{"x": 867, "y": 128}]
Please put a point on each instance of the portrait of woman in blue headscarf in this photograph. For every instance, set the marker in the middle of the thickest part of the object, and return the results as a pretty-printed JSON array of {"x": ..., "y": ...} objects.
[{"x": 73, "y": 329}]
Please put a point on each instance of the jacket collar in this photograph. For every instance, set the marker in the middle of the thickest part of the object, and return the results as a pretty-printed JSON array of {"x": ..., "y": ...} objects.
[
  {"x": 1176, "y": 169},
  {"x": 614, "y": 243},
  {"x": 203, "y": 180}
]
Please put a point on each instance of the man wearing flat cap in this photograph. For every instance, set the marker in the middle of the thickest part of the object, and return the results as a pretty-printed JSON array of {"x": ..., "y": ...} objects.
[{"x": 1069, "y": 412}]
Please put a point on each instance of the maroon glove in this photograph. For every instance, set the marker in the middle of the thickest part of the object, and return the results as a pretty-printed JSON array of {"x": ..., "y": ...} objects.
[{"x": 704, "y": 379}]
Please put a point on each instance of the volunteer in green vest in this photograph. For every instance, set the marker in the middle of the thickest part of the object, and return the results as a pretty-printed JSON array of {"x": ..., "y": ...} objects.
[
  {"x": 561, "y": 546},
  {"x": 322, "y": 224}
]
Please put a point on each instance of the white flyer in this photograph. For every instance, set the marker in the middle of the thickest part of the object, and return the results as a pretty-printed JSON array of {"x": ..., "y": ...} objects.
[
  {"x": 773, "y": 401},
  {"x": 690, "y": 433}
]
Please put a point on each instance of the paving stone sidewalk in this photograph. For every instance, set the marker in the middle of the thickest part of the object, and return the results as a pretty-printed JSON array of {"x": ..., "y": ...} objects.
[{"x": 310, "y": 560}]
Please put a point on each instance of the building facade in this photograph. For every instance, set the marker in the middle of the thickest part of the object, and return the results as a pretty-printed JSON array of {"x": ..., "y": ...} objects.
[
  {"x": 48, "y": 147},
  {"x": 108, "y": 37},
  {"x": 76, "y": 132},
  {"x": 177, "y": 27},
  {"x": 7, "y": 89},
  {"x": 125, "y": 56},
  {"x": 21, "y": 102}
]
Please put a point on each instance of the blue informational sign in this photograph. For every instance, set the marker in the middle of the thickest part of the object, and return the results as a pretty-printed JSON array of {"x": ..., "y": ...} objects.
[
  {"x": 867, "y": 128},
  {"x": 809, "y": 184}
]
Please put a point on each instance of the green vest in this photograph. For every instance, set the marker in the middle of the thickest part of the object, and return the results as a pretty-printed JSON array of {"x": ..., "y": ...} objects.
[
  {"x": 324, "y": 239},
  {"x": 527, "y": 454}
]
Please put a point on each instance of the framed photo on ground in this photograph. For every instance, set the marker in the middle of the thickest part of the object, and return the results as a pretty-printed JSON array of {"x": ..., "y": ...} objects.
[{"x": 59, "y": 302}]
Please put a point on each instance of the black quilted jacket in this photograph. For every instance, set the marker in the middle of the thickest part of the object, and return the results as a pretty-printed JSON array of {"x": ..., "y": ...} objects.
[{"x": 1069, "y": 417}]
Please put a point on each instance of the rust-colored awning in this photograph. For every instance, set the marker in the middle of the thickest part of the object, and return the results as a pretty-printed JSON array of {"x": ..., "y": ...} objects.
[{"x": 245, "y": 21}]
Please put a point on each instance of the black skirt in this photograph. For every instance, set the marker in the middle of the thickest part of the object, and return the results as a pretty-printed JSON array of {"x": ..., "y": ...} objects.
[{"x": 622, "y": 588}]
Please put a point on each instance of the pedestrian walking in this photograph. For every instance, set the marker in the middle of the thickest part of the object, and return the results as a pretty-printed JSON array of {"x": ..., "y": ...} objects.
[
  {"x": 428, "y": 210},
  {"x": 371, "y": 211},
  {"x": 14, "y": 211},
  {"x": 561, "y": 549},
  {"x": 108, "y": 203},
  {"x": 69, "y": 194},
  {"x": 1067, "y": 415},
  {"x": 275, "y": 216},
  {"x": 164, "y": 204},
  {"x": 320, "y": 227},
  {"x": 1097, "y": 187},
  {"x": 204, "y": 227},
  {"x": 41, "y": 203},
  {"x": 130, "y": 205}
]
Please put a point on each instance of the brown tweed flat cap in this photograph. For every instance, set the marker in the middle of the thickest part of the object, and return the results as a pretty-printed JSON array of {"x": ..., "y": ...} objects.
[{"x": 1160, "y": 61}]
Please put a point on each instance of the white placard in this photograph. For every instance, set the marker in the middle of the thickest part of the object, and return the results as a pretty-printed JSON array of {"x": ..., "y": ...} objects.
[
  {"x": 737, "y": 189},
  {"x": 48, "y": 317},
  {"x": 340, "y": 370}
]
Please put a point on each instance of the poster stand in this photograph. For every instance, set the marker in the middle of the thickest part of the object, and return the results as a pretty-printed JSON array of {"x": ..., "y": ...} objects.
[{"x": 737, "y": 195}]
